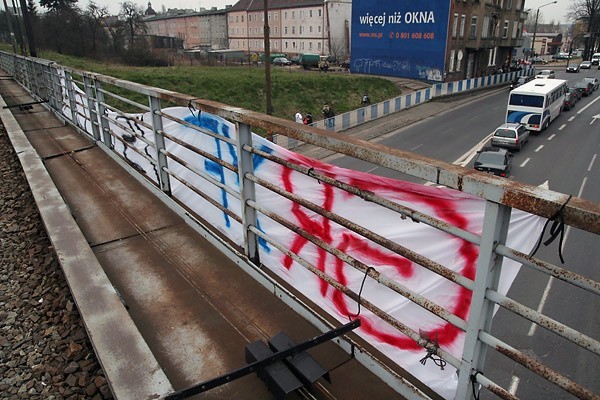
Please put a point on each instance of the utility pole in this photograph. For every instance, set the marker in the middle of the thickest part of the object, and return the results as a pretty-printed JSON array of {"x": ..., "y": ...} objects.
[
  {"x": 267, "y": 60},
  {"x": 10, "y": 27},
  {"x": 28, "y": 29}
]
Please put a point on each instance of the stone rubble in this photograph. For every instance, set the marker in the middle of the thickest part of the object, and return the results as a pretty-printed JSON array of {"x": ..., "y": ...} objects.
[{"x": 44, "y": 349}]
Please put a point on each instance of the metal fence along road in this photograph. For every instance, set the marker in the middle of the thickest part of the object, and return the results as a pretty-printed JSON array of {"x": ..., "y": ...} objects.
[{"x": 302, "y": 226}]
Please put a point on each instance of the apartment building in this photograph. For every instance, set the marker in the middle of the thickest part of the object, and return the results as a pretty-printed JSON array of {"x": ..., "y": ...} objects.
[
  {"x": 482, "y": 36},
  {"x": 205, "y": 29},
  {"x": 295, "y": 27}
]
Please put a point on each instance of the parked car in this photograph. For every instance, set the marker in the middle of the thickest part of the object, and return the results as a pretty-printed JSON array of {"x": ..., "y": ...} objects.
[
  {"x": 574, "y": 90},
  {"x": 586, "y": 88},
  {"x": 570, "y": 100},
  {"x": 545, "y": 74},
  {"x": 510, "y": 135},
  {"x": 281, "y": 61},
  {"x": 585, "y": 65},
  {"x": 493, "y": 160},
  {"x": 573, "y": 68},
  {"x": 538, "y": 60},
  {"x": 520, "y": 81},
  {"x": 593, "y": 81}
]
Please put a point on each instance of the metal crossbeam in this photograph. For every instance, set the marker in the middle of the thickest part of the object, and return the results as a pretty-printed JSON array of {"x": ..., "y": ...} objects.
[{"x": 253, "y": 367}]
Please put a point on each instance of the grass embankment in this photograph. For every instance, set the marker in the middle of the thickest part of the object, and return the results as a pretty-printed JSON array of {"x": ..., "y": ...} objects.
[{"x": 292, "y": 89}]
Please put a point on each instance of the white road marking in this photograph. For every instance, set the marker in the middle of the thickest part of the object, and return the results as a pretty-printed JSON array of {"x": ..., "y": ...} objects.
[
  {"x": 549, "y": 284},
  {"x": 592, "y": 162},
  {"x": 551, "y": 136},
  {"x": 473, "y": 118},
  {"x": 468, "y": 156},
  {"x": 572, "y": 118},
  {"x": 562, "y": 127},
  {"x": 539, "y": 148},
  {"x": 371, "y": 170},
  {"x": 416, "y": 147},
  {"x": 447, "y": 131},
  {"x": 587, "y": 105},
  {"x": 541, "y": 305},
  {"x": 524, "y": 162}
]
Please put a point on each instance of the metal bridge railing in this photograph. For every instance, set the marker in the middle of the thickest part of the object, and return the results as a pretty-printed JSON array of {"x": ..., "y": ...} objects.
[{"x": 98, "y": 105}]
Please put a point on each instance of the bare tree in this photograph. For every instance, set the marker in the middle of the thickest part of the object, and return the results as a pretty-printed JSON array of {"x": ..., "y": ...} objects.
[
  {"x": 132, "y": 16},
  {"x": 93, "y": 16},
  {"x": 587, "y": 12}
]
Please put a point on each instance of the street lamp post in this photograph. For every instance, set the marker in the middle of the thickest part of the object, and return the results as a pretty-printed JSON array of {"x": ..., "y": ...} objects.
[{"x": 537, "y": 14}]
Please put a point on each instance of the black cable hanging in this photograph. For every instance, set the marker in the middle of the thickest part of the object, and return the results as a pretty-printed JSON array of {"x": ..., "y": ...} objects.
[
  {"x": 473, "y": 382},
  {"x": 558, "y": 227},
  {"x": 354, "y": 316}
]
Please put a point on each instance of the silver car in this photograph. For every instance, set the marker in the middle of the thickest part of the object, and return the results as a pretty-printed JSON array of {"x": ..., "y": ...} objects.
[{"x": 510, "y": 135}]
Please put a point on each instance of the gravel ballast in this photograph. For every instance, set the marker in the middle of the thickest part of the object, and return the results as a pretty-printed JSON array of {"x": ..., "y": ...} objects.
[{"x": 45, "y": 352}]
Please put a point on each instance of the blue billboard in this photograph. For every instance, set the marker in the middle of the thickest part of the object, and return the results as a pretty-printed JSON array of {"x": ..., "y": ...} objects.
[{"x": 404, "y": 38}]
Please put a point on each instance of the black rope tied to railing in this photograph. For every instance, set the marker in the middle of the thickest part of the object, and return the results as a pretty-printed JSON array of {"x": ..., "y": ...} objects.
[
  {"x": 431, "y": 348},
  {"x": 354, "y": 316},
  {"x": 473, "y": 383},
  {"x": 558, "y": 227},
  {"x": 192, "y": 109}
]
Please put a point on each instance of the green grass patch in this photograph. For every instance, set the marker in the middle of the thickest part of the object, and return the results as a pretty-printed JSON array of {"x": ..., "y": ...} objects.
[{"x": 291, "y": 89}]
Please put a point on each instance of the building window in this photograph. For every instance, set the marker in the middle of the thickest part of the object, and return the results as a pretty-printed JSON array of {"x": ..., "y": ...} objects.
[
  {"x": 455, "y": 25},
  {"x": 269, "y": 17},
  {"x": 293, "y": 30},
  {"x": 293, "y": 14},
  {"x": 310, "y": 29},
  {"x": 319, "y": 14},
  {"x": 285, "y": 29},
  {"x": 451, "y": 62},
  {"x": 459, "y": 58},
  {"x": 319, "y": 46},
  {"x": 276, "y": 15},
  {"x": 473, "y": 32},
  {"x": 492, "y": 57},
  {"x": 285, "y": 16},
  {"x": 505, "y": 30},
  {"x": 486, "y": 27},
  {"x": 276, "y": 30},
  {"x": 310, "y": 45},
  {"x": 462, "y": 25},
  {"x": 310, "y": 13},
  {"x": 319, "y": 29}
]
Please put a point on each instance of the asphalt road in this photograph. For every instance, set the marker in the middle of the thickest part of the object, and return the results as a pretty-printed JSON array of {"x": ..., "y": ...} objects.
[{"x": 566, "y": 158}]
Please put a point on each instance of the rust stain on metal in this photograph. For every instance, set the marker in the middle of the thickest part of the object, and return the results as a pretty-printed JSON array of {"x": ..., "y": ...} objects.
[{"x": 549, "y": 374}]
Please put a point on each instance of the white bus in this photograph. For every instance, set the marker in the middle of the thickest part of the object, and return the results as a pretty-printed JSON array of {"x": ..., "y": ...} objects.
[{"x": 536, "y": 103}]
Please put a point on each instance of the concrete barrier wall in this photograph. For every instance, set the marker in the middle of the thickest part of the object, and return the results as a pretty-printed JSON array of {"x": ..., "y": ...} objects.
[{"x": 359, "y": 116}]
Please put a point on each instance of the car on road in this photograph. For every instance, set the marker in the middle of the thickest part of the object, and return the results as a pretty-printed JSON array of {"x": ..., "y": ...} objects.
[
  {"x": 281, "y": 61},
  {"x": 570, "y": 100},
  {"x": 545, "y": 74},
  {"x": 538, "y": 60},
  {"x": 510, "y": 135},
  {"x": 493, "y": 160},
  {"x": 585, "y": 65},
  {"x": 573, "y": 90},
  {"x": 586, "y": 88},
  {"x": 593, "y": 81},
  {"x": 520, "y": 81},
  {"x": 573, "y": 68}
]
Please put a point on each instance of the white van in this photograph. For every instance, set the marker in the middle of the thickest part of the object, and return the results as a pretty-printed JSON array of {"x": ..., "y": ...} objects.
[{"x": 595, "y": 59}]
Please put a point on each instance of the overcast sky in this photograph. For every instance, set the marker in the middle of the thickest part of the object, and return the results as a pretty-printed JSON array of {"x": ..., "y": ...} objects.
[{"x": 556, "y": 11}]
